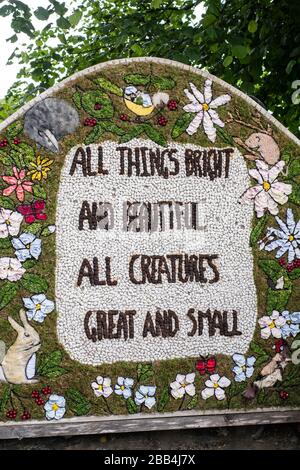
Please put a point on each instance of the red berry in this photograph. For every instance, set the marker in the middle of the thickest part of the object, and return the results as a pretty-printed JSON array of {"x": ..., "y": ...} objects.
[
  {"x": 46, "y": 390},
  {"x": 39, "y": 401},
  {"x": 97, "y": 106},
  {"x": 11, "y": 414},
  {"x": 290, "y": 267},
  {"x": 162, "y": 121},
  {"x": 17, "y": 141},
  {"x": 282, "y": 262},
  {"x": 283, "y": 394},
  {"x": 26, "y": 415},
  {"x": 172, "y": 105},
  {"x": 124, "y": 117},
  {"x": 90, "y": 122}
]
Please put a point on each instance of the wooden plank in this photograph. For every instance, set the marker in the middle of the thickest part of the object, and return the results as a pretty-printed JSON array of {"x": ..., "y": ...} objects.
[{"x": 151, "y": 422}]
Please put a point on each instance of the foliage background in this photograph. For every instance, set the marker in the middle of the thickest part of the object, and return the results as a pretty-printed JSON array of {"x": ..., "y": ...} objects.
[{"x": 252, "y": 44}]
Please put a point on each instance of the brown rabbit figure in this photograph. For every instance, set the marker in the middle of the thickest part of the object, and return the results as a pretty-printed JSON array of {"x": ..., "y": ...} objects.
[{"x": 18, "y": 364}]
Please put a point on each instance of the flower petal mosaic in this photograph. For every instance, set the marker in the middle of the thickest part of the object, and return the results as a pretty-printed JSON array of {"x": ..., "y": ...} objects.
[{"x": 149, "y": 248}]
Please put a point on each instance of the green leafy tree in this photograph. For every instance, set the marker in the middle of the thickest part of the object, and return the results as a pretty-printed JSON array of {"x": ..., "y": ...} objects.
[{"x": 252, "y": 44}]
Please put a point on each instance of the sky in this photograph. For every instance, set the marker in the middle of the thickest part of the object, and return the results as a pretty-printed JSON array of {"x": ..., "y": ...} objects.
[{"x": 8, "y": 73}]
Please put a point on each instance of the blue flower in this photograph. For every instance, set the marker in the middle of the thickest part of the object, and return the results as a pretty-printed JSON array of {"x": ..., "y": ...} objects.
[
  {"x": 123, "y": 387},
  {"x": 285, "y": 239},
  {"x": 38, "y": 307},
  {"x": 27, "y": 246},
  {"x": 292, "y": 324},
  {"x": 55, "y": 407},
  {"x": 243, "y": 368}
]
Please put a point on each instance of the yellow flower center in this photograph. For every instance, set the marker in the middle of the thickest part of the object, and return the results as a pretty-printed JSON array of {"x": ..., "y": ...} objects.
[
  {"x": 272, "y": 325},
  {"x": 100, "y": 387},
  {"x": 289, "y": 322},
  {"x": 39, "y": 167},
  {"x": 8, "y": 222},
  {"x": 244, "y": 368},
  {"x": 55, "y": 407},
  {"x": 291, "y": 238},
  {"x": 205, "y": 107},
  {"x": 38, "y": 307},
  {"x": 216, "y": 385},
  {"x": 122, "y": 387},
  {"x": 28, "y": 246},
  {"x": 266, "y": 185}
]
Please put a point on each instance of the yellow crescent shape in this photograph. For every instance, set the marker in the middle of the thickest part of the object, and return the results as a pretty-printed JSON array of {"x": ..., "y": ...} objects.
[{"x": 138, "y": 109}]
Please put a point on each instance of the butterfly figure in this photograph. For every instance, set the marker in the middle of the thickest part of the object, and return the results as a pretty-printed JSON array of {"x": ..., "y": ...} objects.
[
  {"x": 33, "y": 211},
  {"x": 206, "y": 366}
]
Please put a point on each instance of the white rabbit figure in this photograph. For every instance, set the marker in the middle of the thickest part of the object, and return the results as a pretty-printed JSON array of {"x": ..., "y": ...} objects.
[{"x": 18, "y": 364}]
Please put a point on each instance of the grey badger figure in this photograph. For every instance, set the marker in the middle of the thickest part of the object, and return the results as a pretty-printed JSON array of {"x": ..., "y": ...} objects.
[{"x": 49, "y": 121}]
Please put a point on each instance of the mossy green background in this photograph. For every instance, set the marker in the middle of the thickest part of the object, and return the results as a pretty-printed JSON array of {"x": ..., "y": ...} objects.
[{"x": 80, "y": 376}]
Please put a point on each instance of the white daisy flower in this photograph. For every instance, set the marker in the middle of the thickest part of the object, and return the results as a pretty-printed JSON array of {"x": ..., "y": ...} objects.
[
  {"x": 102, "y": 387},
  {"x": 205, "y": 108},
  {"x": 215, "y": 386},
  {"x": 271, "y": 325},
  {"x": 11, "y": 269},
  {"x": 9, "y": 223},
  {"x": 269, "y": 192}
]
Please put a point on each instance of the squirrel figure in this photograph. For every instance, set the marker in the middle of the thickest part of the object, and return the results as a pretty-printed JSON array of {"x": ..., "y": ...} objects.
[{"x": 18, "y": 364}]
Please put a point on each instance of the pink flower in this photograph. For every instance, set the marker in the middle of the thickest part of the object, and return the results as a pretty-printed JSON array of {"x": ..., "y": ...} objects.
[
  {"x": 17, "y": 183},
  {"x": 268, "y": 192}
]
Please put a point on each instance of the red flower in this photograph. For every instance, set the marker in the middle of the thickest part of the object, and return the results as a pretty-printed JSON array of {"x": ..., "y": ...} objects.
[
  {"x": 208, "y": 366},
  {"x": 32, "y": 212}
]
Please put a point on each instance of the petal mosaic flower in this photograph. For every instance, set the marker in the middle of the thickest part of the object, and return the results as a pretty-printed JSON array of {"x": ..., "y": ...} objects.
[
  {"x": 9, "y": 223},
  {"x": 27, "y": 246},
  {"x": 244, "y": 367},
  {"x": 271, "y": 325},
  {"x": 284, "y": 240},
  {"x": 204, "y": 107},
  {"x": 11, "y": 269},
  {"x": 38, "y": 307},
  {"x": 269, "y": 192},
  {"x": 145, "y": 395},
  {"x": 17, "y": 184},
  {"x": 215, "y": 387},
  {"x": 33, "y": 212},
  {"x": 55, "y": 407},
  {"x": 184, "y": 384},
  {"x": 123, "y": 387},
  {"x": 102, "y": 387},
  {"x": 39, "y": 170}
]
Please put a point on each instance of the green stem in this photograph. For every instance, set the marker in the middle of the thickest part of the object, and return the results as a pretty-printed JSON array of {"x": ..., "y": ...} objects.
[{"x": 182, "y": 402}]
